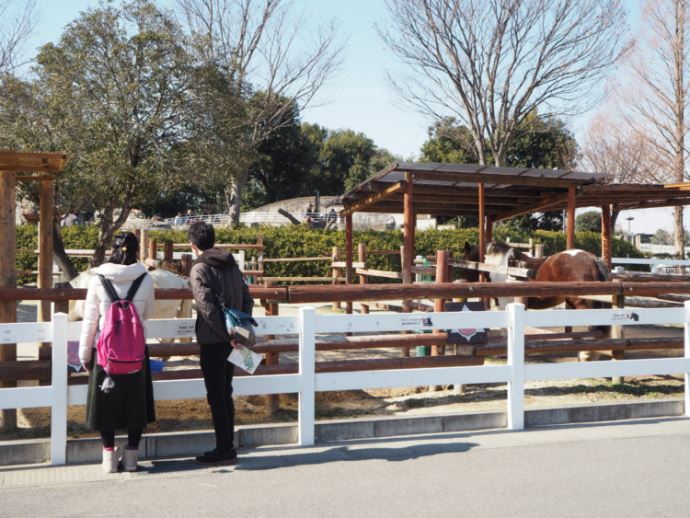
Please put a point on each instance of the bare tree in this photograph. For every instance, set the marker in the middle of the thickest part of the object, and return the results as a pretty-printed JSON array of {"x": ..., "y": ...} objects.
[
  {"x": 268, "y": 70},
  {"x": 15, "y": 27},
  {"x": 612, "y": 148},
  {"x": 492, "y": 62},
  {"x": 659, "y": 97}
]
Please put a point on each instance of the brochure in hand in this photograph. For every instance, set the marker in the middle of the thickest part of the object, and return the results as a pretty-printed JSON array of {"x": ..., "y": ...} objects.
[{"x": 245, "y": 359}]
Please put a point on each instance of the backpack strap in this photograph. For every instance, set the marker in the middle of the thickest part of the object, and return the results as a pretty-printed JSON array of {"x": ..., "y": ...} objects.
[
  {"x": 109, "y": 288},
  {"x": 134, "y": 287}
]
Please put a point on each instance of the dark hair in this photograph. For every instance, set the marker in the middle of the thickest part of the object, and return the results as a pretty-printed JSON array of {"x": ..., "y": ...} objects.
[
  {"x": 202, "y": 235},
  {"x": 125, "y": 249}
]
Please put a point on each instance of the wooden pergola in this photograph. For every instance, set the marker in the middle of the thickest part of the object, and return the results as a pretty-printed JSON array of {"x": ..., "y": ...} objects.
[
  {"x": 494, "y": 194},
  {"x": 37, "y": 167}
]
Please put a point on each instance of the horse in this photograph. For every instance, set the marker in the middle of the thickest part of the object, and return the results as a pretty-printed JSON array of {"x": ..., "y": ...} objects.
[
  {"x": 572, "y": 265},
  {"x": 162, "y": 308}
]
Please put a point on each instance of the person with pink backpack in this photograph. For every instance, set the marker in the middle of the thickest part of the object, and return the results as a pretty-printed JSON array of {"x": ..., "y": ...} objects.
[{"x": 112, "y": 347}]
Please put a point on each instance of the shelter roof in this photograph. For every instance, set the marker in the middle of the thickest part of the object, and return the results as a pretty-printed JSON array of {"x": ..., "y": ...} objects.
[
  {"x": 451, "y": 190},
  {"x": 20, "y": 162}
]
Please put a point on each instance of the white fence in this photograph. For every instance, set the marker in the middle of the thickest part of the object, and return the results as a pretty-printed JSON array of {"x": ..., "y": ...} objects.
[
  {"x": 307, "y": 382},
  {"x": 655, "y": 265}
]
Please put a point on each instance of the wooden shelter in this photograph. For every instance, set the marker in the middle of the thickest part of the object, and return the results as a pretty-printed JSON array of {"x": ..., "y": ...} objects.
[
  {"x": 494, "y": 194},
  {"x": 38, "y": 167}
]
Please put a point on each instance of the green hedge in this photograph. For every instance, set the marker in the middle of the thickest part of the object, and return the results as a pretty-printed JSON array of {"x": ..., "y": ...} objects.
[
  {"x": 300, "y": 241},
  {"x": 27, "y": 241}
]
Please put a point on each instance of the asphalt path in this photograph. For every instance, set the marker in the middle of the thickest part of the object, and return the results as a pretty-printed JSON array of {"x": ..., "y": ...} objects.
[{"x": 639, "y": 468}]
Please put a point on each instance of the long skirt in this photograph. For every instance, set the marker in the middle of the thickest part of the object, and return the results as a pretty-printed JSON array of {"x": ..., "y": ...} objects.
[{"x": 129, "y": 405}]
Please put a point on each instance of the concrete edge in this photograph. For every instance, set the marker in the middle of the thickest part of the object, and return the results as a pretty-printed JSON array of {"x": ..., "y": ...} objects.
[{"x": 182, "y": 444}]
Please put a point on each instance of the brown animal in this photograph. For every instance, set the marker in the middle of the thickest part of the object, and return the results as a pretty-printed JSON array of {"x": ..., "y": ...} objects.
[{"x": 567, "y": 266}]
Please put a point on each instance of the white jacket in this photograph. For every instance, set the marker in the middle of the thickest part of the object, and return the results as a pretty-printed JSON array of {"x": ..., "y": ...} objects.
[{"x": 98, "y": 302}]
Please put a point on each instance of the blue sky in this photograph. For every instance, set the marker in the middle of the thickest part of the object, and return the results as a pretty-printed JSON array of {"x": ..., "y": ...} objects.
[{"x": 358, "y": 97}]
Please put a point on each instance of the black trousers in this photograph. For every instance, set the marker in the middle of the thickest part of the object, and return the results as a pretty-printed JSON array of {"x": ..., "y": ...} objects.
[{"x": 218, "y": 372}]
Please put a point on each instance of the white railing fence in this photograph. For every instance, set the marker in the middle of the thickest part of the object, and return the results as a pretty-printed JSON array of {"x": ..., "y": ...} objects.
[{"x": 307, "y": 382}]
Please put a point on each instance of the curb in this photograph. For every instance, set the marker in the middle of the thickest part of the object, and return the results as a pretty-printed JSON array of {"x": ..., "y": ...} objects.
[{"x": 182, "y": 444}]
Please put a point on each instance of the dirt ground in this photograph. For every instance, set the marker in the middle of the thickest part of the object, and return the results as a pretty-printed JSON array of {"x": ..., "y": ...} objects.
[{"x": 194, "y": 414}]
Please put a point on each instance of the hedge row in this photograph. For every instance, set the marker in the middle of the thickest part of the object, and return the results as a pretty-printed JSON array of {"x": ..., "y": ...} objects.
[{"x": 299, "y": 241}]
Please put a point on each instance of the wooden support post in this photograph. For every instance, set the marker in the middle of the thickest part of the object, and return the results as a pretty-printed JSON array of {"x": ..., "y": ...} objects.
[
  {"x": 489, "y": 229},
  {"x": 168, "y": 252},
  {"x": 45, "y": 253},
  {"x": 482, "y": 221},
  {"x": 606, "y": 235},
  {"x": 348, "y": 258},
  {"x": 570, "y": 223},
  {"x": 408, "y": 243},
  {"x": 45, "y": 243},
  {"x": 441, "y": 276},
  {"x": 334, "y": 273},
  {"x": 8, "y": 277},
  {"x": 408, "y": 234},
  {"x": 362, "y": 258},
  {"x": 153, "y": 250},
  {"x": 144, "y": 244}
]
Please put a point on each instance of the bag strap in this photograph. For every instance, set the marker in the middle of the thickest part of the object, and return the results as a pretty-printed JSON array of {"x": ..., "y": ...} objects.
[
  {"x": 109, "y": 288},
  {"x": 134, "y": 287}
]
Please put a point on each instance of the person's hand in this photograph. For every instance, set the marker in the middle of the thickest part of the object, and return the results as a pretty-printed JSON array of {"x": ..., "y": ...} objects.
[
  {"x": 235, "y": 344},
  {"x": 85, "y": 366}
]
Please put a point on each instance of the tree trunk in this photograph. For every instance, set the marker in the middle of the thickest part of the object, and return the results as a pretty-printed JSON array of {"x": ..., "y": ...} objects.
[
  {"x": 108, "y": 228},
  {"x": 234, "y": 200},
  {"x": 680, "y": 93},
  {"x": 678, "y": 232},
  {"x": 67, "y": 269}
]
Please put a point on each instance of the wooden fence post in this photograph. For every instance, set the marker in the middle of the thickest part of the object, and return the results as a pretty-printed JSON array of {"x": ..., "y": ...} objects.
[
  {"x": 618, "y": 302},
  {"x": 362, "y": 258},
  {"x": 334, "y": 273},
  {"x": 153, "y": 249},
  {"x": 272, "y": 358},
  {"x": 186, "y": 262},
  {"x": 441, "y": 276},
  {"x": 168, "y": 252}
]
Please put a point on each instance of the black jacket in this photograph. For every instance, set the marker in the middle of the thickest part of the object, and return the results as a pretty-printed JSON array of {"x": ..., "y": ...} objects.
[{"x": 215, "y": 275}]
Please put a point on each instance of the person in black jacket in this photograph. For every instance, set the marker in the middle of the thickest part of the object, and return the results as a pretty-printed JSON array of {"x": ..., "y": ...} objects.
[{"x": 216, "y": 280}]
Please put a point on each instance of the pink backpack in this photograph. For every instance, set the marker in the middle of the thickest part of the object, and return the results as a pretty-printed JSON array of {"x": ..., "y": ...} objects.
[{"x": 121, "y": 345}]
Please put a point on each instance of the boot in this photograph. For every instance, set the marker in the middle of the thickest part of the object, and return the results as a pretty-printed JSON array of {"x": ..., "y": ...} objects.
[
  {"x": 129, "y": 459},
  {"x": 110, "y": 461}
]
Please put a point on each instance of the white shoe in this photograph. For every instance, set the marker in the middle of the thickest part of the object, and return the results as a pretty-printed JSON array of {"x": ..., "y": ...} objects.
[
  {"x": 129, "y": 459},
  {"x": 110, "y": 461}
]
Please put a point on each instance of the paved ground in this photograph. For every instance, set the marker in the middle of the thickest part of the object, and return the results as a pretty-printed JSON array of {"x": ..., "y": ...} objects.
[{"x": 631, "y": 469}]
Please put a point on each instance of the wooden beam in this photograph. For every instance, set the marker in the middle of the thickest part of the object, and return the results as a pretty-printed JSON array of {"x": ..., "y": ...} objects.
[
  {"x": 497, "y": 179},
  {"x": 535, "y": 206},
  {"x": 362, "y": 204},
  {"x": 570, "y": 228},
  {"x": 30, "y": 162}
]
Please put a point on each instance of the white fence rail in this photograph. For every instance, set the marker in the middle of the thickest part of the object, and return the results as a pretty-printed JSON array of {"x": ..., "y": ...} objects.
[{"x": 307, "y": 382}]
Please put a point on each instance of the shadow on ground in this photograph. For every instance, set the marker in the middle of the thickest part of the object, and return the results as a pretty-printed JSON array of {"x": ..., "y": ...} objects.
[{"x": 347, "y": 454}]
